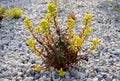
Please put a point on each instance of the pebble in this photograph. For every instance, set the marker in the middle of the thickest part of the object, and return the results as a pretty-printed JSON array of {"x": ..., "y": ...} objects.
[
  {"x": 6, "y": 80},
  {"x": 114, "y": 80},
  {"x": 117, "y": 54},
  {"x": 97, "y": 70},
  {"x": 37, "y": 76},
  {"x": 89, "y": 79},
  {"x": 95, "y": 79},
  {"x": 32, "y": 72},
  {"x": 28, "y": 79}
]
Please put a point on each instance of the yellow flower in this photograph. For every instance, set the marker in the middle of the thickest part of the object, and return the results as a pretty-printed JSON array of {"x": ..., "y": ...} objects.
[
  {"x": 44, "y": 25},
  {"x": 51, "y": 8},
  {"x": 61, "y": 72},
  {"x": 31, "y": 43},
  {"x": 48, "y": 15},
  {"x": 37, "y": 68},
  {"x": 88, "y": 31},
  {"x": 70, "y": 23},
  {"x": 38, "y": 29},
  {"x": 77, "y": 41},
  {"x": 28, "y": 23},
  {"x": 96, "y": 41},
  {"x": 88, "y": 18},
  {"x": 74, "y": 48},
  {"x": 93, "y": 47}
]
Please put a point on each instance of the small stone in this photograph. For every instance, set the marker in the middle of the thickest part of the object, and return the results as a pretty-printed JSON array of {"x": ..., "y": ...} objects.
[
  {"x": 105, "y": 50},
  {"x": 33, "y": 62},
  {"x": 32, "y": 72},
  {"x": 45, "y": 11},
  {"x": 86, "y": 59},
  {"x": 53, "y": 79},
  {"x": 23, "y": 69},
  {"x": 6, "y": 80},
  {"x": 56, "y": 76},
  {"x": 28, "y": 79},
  {"x": 107, "y": 38},
  {"x": 1, "y": 75},
  {"x": 95, "y": 79},
  {"x": 37, "y": 76},
  {"x": 4, "y": 68},
  {"x": 97, "y": 70},
  {"x": 82, "y": 76},
  {"x": 67, "y": 77},
  {"x": 6, "y": 74},
  {"x": 104, "y": 76},
  {"x": 20, "y": 45},
  {"x": 103, "y": 80},
  {"x": 47, "y": 73},
  {"x": 89, "y": 79},
  {"x": 81, "y": 69},
  {"x": 74, "y": 80},
  {"x": 114, "y": 80},
  {"x": 0, "y": 71},
  {"x": 72, "y": 73},
  {"x": 14, "y": 74},
  {"x": 117, "y": 54}
]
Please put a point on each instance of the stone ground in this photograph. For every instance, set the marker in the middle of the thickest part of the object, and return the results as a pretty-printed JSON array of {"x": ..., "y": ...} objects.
[{"x": 16, "y": 59}]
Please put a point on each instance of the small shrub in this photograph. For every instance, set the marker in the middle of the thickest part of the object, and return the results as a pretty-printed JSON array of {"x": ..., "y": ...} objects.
[
  {"x": 60, "y": 48},
  {"x": 14, "y": 13}
]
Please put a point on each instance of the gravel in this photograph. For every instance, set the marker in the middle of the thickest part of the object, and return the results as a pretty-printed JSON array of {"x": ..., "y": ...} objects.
[{"x": 16, "y": 60}]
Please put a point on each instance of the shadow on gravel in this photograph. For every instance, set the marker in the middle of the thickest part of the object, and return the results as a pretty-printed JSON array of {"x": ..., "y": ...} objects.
[{"x": 112, "y": 8}]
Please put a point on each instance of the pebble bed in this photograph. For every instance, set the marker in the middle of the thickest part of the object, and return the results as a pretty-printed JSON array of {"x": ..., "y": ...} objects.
[{"x": 16, "y": 59}]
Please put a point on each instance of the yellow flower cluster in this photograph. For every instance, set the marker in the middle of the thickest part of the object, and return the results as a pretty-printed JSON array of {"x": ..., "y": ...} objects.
[
  {"x": 28, "y": 23},
  {"x": 49, "y": 17},
  {"x": 94, "y": 44},
  {"x": 74, "y": 48},
  {"x": 37, "y": 68},
  {"x": 51, "y": 8},
  {"x": 31, "y": 43},
  {"x": 44, "y": 25},
  {"x": 70, "y": 23},
  {"x": 38, "y": 29},
  {"x": 15, "y": 13},
  {"x": 88, "y": 32},
  {"x": 96, "y": 41},
  {"x": 61, "y": 72},
  {"x": 77, "y": 42},
  {"x": 87, "y": 18}
]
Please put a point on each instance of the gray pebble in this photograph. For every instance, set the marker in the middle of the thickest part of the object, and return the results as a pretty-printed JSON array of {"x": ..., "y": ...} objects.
[
  {"x": 89, "y": 79},
  {"x": 6, "y": 80}
]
